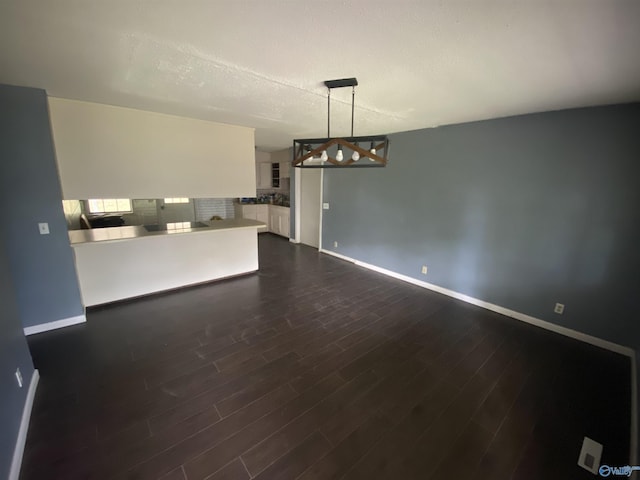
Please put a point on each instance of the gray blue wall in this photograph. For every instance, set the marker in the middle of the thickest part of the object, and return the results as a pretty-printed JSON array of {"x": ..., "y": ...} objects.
[
  {"x": 522, "y": 212},
  {"x": 14, "y": 353},
  {"x": 41, "y": 266}
]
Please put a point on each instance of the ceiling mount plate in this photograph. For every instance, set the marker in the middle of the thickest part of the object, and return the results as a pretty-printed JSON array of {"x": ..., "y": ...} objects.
[{"x": 343, "y": 82}]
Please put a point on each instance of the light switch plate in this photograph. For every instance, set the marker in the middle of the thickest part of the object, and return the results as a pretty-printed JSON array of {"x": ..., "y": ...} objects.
[
  {"x": 44, "y": 228},
  {"x": 325, "y": 206}
]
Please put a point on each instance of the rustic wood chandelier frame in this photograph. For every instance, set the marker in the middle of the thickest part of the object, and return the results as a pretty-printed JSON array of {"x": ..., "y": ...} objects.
[{"x": 313, "y": 152}]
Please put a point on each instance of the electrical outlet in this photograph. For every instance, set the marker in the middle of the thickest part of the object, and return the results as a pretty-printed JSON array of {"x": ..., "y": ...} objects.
[
  {"x": 43, "y": 228},
  {"x": 559, "y": 309},
  {"x": 335, "y": 244},
  {"x": 325, "y": 206},
  {"x": 590, "y": 455},
  {"x": 19, "y": 377},
  {"x": 424, "y": 269}
]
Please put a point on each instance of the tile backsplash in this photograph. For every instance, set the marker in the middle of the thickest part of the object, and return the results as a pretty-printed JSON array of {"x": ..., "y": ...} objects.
[{"x": 208, "y": 207}]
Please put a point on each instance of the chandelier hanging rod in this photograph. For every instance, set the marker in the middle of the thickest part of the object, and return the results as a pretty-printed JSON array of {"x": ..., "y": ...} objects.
[{"x": 340, "y": 83}]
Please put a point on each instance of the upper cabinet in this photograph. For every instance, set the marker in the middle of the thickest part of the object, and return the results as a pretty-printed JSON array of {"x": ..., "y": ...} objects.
[
  {"x": 264, "y": 175},
  {"x": 283, "y": 157},
  {"x": 284, "y": 169},
  {"x": 271, "y": 168},
  {"x": 113, "y": 152}
]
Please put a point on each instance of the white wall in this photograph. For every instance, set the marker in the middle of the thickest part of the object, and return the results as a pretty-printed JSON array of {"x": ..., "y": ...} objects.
[
  {"x": 262, "y": 156},
  {"x": 113, "y": 152},
  {"x": 282, "y": 156},
  {"x": 110, "y": 271}
]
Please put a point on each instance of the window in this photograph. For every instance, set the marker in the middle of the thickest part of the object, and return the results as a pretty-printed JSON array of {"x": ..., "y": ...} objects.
[
  {"x": 176, "y": 200},
  {"x": 109, "y": 205},
  {"x": 176, "y": 227}
]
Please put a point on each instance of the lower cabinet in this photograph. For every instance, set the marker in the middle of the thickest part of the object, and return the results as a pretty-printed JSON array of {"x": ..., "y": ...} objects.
[
  {"x": 254, "y": 212},
  {"x": 279, "y": 220},
  {"x": 262, "y": 215},
  {"x": 275, "y": 217}
]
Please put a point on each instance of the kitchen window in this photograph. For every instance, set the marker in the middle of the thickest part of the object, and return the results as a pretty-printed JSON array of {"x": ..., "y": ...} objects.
[
  {"x": 176, "y": 200},
  {"x": 109, "y": 205},
  {"x": 177, "y": 227}
]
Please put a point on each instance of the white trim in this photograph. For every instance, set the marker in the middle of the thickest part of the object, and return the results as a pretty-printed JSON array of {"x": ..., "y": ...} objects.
[
  {"x": 583, "y": 337},
  {"x": 321, "y": 209},
  {"x": 634, "y": 411},
  {"x": 337, "y": 255},
  {"x": 598, "y": 342},
  {"x": 16, "y": 462},
  {"x": 297, "y": 191},
  {"x": 45, "y": 327},
  {"x": 293, "y": 240}
]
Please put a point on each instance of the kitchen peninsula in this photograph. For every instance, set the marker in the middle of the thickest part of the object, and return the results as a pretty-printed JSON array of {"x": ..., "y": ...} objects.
[{"x": 123, "y": 262}]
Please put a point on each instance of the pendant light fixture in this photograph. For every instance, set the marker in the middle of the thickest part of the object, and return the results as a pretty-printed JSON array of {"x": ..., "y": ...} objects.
[
  {"x": 315, "y": 152},
  {"x": 356, "y": 156}
]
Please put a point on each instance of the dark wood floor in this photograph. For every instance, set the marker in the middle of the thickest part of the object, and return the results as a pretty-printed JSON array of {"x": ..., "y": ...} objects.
[{"x": 315, "y": 369}]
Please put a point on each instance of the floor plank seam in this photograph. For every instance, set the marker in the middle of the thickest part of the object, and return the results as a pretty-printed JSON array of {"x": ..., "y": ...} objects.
[
  {"x": 245, "y": 466},
  {"x": 352, "y": 354}
]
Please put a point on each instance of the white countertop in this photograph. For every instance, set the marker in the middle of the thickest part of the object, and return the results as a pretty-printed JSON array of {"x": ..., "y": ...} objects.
[
  {"x": 259, "y": 204},
  {"x": 114, "y": 234}
]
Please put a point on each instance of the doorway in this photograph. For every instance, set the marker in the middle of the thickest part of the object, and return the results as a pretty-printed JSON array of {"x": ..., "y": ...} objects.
[
  {"x": 172, "y": 210},
  {"x": 310, "y": 206}
]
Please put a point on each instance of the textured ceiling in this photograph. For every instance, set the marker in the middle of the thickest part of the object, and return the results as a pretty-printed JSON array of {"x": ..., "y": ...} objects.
[{"x": 261, "y": 63}]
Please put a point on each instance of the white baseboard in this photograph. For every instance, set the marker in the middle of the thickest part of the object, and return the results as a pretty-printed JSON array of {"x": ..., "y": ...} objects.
[
  {"x": 598, "y": 342},
  {"x": 16, "y": 462},
  {"x": 45, "y": 327},
  {"x": 583, "y": 337},
  {"x": 634, "y": 411},
  {"x": 338, "y": 255}
]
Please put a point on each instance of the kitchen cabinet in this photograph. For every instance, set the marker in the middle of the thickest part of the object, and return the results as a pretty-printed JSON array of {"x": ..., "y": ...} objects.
[
  {"x": 263, "y": 175},
  {"x": 279, "y": 218},
  {"x": 285, "y": 169},
  {"x": 275, "y": 217},
  {"x": 254, "y": 212},
  {"x": 274, "y": 223},
  {"x": 262, "y": 215}
]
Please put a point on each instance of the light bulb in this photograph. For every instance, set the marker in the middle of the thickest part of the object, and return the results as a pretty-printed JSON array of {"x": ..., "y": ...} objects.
[
  {"x": 356, "y": 156},
  {"x": 339, "y": 155},
  {"x": 324, "y": 157},
  {"x": 372, "y": 150}
]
